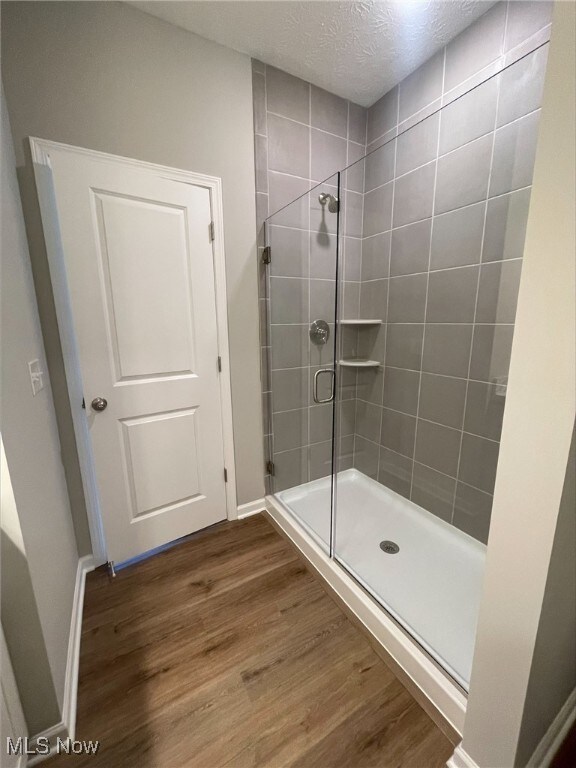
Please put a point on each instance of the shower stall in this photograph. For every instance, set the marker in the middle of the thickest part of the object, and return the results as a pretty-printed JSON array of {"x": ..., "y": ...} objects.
[{"x": 391, "y": 296}]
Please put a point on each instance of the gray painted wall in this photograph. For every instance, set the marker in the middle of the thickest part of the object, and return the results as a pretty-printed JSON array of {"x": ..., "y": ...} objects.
[
  {"x": 111, "y": 78},
  {"x": 39, "y": 555}
]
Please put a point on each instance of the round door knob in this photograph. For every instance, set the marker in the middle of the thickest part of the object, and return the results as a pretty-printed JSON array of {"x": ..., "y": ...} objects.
[{"x": 99, "y": 404}]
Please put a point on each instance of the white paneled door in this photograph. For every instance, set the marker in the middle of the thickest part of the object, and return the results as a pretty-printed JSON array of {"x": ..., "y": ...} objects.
[{"x": 138, "y": 261}]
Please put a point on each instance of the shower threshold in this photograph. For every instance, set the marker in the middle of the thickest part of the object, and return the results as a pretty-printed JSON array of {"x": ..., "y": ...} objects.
[{"x": 431, "y": 586}]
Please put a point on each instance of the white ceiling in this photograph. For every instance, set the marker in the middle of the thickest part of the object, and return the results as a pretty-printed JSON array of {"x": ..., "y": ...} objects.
[{"x": 358, "y": 50}]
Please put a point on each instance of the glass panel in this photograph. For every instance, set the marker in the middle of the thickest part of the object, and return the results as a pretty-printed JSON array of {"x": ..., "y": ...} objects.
[
  {"x": 432, "y": 254},
  {"x": 301, "y": 277}
]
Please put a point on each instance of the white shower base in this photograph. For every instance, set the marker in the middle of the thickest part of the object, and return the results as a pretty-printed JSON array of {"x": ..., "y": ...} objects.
[{"x": 431, "y": 586}]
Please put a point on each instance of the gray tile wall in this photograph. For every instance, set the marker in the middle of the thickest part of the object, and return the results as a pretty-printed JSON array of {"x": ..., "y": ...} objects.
[
  {"x": 303, "y": 135},
  {"x": 444, "y": 218}
]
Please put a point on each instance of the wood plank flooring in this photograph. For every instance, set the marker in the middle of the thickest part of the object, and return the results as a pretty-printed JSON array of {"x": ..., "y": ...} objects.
[{"x": 225, "y": 652}]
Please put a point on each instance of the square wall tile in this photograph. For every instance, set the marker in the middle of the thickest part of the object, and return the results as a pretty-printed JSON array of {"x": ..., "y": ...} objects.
[
  {"x": 506, "y": 220},
  {"x": 353, "y": 176},
  {"x": 410, "y": 248},
  {"x": 469, "y": 117},
  {"x": 437, "y": 447},
  {"x": 401, "y": 390},
  {"x": 321, "y": 417},
  {"x": 378, "y": 210},
  {"x": 407, "y": 299},
  {"x": 414, "y": 195},
  {"x": 288, "y": 146},
  {"x": 373, "y": 299},
  {"x": 383, "y": 115},
  {"x": 422, "y": 86},
  {"x": 289, "y": 205},
  {"x": 366, "y": 457},
  {"x": 521, "y": 86},
  {"x": 525, "y": 18},
  {"x": 395, "y": 472},
  {"x": 404, "y": 345},
  {"x": 357, "y": 123},
  {"x": 484, "y": 409},
  {"x": 472, "y": 509},
  {"x": 457, "y": 237},
  {"x": 498, "y": 292},
  {"x": 491, "y": 351},
  {"x": 463, "y": 175},
  {"x": 433, "y": 491},
  {"x": 290, "y": 469},
  {"x": 379, "y": 167},
  {"x": 447, "y": 349},
  {"x": 329, "y": 154},
  {"x": 289, "y": 252},
  {"x": 351, "y": 300},
  {"x": 323, "y": 300},
  {"x": 514, "y": 155},
  {"x": 320, "y": 460},
  {"x": 345, "y": 453},
  {"x": 370, "y": 385},
  {"x": 418, "y": 145},
  {"x": 329, "y": 112},
  {"x": 478, "y": 462},
  {"x": 351, "y": 218},
  {"x": 290, "y": 389},
  {"x": 323, "y": 255},
  {"x": 376, "y": 257},
  {"x": 289, "y": 345},
  {"x": 353, "y": 258},
  {"x": 452, "y": 295},
  {"x": 289, "y": 300},
  {"x": 398, "y": 431},
  {"x": 290, "y": 429},
  {"x": 287, "y": 95},
  {"x": 442, "y": 400},
  {"x": 347, "y": 418},
  {"x": 475, "y": 47},
  {"x": 368, "y": 420}
]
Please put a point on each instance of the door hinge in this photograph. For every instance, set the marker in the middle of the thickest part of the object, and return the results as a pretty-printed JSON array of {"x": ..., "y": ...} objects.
[
  {"x": 267, "y": 255},
  {"x": 211, "y": 231},
  {"x": 219, "y": 363},
  {"x": 225, "y": 475},
  {"x": 270, "y": 468}
]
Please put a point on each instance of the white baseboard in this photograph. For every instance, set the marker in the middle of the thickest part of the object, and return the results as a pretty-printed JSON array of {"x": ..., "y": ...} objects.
[
  {"x": 555, "y": 735},
  {"x": 461, "y": 759},
  {"x": 66, "y": 728},
  {"x": 252, "y": 508}
]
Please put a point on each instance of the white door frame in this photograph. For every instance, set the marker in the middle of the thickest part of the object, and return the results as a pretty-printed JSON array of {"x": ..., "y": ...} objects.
[{"x": 40, "y": 150}]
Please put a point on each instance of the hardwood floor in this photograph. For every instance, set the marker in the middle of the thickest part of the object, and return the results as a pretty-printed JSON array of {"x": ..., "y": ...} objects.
[{"x": 224, "y": 651}]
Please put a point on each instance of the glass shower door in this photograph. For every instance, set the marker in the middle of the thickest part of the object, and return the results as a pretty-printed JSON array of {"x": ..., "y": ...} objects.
[{"x": 302, "y": 271}]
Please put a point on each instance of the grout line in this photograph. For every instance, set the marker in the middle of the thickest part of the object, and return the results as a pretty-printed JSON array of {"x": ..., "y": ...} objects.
[
  {"x": 428, "y": 277},
  {"x": 498, "y": 81}
]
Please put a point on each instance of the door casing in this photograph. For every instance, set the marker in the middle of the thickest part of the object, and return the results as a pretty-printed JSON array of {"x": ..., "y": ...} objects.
[{"x": 40, "y": 151}]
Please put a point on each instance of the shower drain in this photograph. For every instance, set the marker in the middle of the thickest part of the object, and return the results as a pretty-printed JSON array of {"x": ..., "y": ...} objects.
[{"x": 390, "y": 547}]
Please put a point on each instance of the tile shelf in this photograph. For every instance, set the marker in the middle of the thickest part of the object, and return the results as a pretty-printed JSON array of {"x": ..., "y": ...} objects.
[
  {"x": 359, "y": 363},
  {"x": 361, "y": 322}
]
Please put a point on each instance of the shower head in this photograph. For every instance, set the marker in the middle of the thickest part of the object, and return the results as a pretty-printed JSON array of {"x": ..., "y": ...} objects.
[{"x": 333, "y": 202}]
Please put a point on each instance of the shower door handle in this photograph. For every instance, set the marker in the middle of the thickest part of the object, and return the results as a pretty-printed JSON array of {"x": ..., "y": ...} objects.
[{"x": 315, "y": 387}]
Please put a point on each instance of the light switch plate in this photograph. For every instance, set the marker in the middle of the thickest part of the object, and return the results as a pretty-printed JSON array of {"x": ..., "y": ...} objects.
[{"x": 36, "y": 376}]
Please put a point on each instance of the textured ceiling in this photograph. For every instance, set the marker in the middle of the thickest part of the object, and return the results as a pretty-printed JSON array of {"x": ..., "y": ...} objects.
[{"x": 358, "y": 50}]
